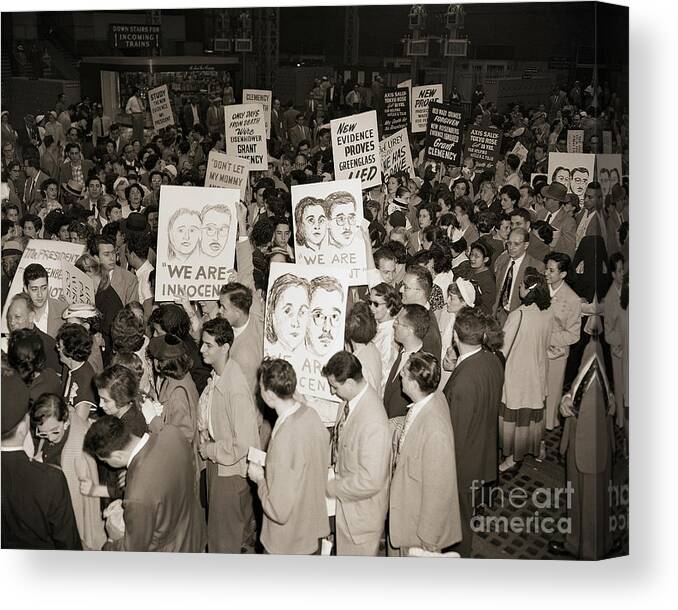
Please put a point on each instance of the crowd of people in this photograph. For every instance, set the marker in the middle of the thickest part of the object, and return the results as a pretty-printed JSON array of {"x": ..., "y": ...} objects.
[{"x": 496, "y": 310}]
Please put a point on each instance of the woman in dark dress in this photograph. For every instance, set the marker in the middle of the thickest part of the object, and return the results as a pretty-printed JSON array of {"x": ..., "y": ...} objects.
[{"x": 480, "y": 257}]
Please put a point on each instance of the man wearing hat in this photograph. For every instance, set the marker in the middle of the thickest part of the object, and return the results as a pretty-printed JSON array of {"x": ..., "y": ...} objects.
[
  {"x": 555, "y": 197},
  {"x": 215, "y": 118},
  {"x": 37, "y": 512},
  {"x": 53, "y": 128}
]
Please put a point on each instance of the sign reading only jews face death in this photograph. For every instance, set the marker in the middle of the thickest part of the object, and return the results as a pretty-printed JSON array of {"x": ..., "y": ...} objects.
[
  {"x": 196, "y": 241},
  {"x": 327, "y": 217},
  {"x": 77, "y": 286},
  {"x": 227, "y": 172},
  {"x": 161, "y": 110},
  {"x": 246, "y": 134},
  {"x": 263, "y": 97},
  {"x": 396, "y": 155},
  {"x": 483, "y": 145},
  {"x": 355, "y": 147},
  {"x": 304, "y": 320},
  {"x": 396, "y": 109},
  {"x": 49, "y": 253},
  {"x": 443, "y": 135},
  {"x": 421, "y": 98}
]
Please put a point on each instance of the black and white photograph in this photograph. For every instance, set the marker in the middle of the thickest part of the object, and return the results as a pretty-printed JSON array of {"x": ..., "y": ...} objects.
[{"x": 332, "y": 280}]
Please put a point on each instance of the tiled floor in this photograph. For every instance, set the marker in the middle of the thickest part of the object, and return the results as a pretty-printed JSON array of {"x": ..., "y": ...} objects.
[{"x": 498, "y": 538}]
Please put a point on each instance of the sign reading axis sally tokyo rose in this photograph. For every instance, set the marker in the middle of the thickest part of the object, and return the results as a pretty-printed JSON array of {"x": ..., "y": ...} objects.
[
  {"x": 355, "y": 147},
  {"x": 246, "y": 134},
  {"x": 196, "y": 241}
]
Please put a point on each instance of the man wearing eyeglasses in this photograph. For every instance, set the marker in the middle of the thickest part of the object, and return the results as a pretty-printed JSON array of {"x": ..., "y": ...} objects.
[
  {"x": 343, "y": 221},
  {"x": 327, "y": 312}
]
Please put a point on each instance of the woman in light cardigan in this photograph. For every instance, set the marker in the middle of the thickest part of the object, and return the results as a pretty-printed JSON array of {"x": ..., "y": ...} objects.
[
  {"x": 361, "y": 329},
  {"x": 60, "y": 433}
]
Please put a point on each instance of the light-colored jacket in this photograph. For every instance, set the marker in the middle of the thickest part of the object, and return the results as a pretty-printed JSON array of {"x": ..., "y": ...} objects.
[
  {"x": 363, "y": 468},
  {"x": 424, "y": 503},
  {"x": 566, "y": 310}
]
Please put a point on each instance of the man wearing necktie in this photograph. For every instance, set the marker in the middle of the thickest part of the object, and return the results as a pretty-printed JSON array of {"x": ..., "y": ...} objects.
[
  {"x": 101, "y": 125},
  {"x": 361, "y": 457},
  {"x": 424, "y": 502}
]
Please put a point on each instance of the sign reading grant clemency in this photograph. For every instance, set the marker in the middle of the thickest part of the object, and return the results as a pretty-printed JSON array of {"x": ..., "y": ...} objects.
[{"x": 246, "y": 134}]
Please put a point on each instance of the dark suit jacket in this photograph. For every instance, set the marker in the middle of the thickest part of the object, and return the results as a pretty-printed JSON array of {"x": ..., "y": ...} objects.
[
  {"x": 432, "y": 341},
  {"x": 395, "y": 401},
  {"x": 35, "y": 195},
  {"x": 37, "y": 512},
  {"x": 52, "y": 358},
  {"x": 473, "y": 392},
  {"x": 162, "y": 511},
  {"x": 500, "y": 268},
  {"x": 66, "y": 172}
]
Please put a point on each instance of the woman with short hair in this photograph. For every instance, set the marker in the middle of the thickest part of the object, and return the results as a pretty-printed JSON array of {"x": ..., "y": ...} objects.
[
  {"x": 385, "y": 303},
  {"x": 60, "y": 433},
  {"x": 361, "y": 329},
  {"x": 26, "y": 355},
  {"x": 527, "y": 332}
]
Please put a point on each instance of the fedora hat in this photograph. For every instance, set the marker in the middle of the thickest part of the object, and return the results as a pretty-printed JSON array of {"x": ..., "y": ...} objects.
[
  {"x": 73, "y": 187},
  {"x": 166, "y": 347},
  {"x": 136, "y": 222},
  {"x": 556, "y": 191}
]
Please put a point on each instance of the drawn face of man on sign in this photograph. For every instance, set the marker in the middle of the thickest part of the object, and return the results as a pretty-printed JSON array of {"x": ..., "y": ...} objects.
[
  {"x": 343, "y": 220},
  {"x": 326, "y": 312},
  {"x": 311, "y": 223},
  {"x": 604, "y": 179},
  {"x": 184, "y": 233},
  {"x": 562, "y": 175},
  {"x": 287, "y": 312},
  {"x": 579, "y": 178},
  {"x": 216, "y": 222}
]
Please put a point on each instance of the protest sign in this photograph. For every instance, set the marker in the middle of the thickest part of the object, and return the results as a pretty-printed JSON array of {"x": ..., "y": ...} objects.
[
  {"x": 396, "y": 109},
  {"x": 161, "y": 110},
  {"x": 396, "y": 155},
  {"x": 246, "y": 134},
  {"x": 482, "y": 145},
  {"x": 304, "y": 321},
  {"x": 48, "y": 253},
  {"x": 226, "y": 172},
  {"x": 443, "y": 134},
  {"x": 573, "y": 170},
  {"x": 575, "y": 140},
  {"x": 608, "y": 172},
  {"x": 421, "y": 97},
  {"x": 327, "y": 217},
  {"x": 607, "y": 142},
  {"x": 197, "y": 229},
  {"x": 263, "y": 97},
  {"x": 520, "y": 151},
  {"x": 77, "y": 286},
  {"x": 355, "y": 147}
]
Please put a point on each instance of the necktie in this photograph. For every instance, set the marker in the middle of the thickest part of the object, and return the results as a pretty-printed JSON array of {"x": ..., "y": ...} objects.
[
  {"x": 583, "y": 386},
  {"x": 395, "y": 369},
  {"x": 548, "y": 217},
  {"x": 506, "y": 288},
  {"x": 406, "y": 426},
  {"x": 337, "y": 431}
]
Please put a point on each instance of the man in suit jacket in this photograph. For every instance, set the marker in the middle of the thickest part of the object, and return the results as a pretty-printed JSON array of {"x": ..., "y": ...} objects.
[
  {"x": 361, "y": 456},
  {"x": 162, "y": 512},
  {"x": 125, "y": 283},
  {"x": 191, "y": 114},
  {"x": 34, "y": 179},
  {"x": 509, "y": 269},
  {"x": 424, "y": 502},
  {"x": 37, "y": 512},
  {"x": 228, "y": 427},
  {"x": 591, "y": 221},
  {"x": 566, "y": 309},
  {"x": 300, "y": 132},
  {"x": 292, "y": 488},
  {"x": 47, "y": 311},
  {"x": 416, "y": 289},
  {"x": 555, "y": 198},
  {"x": 409, "y": 329},
  {"x": 473, "y": 393},
  {"x": 21, "y": 315},
  {"x": 75, "y": 167}
]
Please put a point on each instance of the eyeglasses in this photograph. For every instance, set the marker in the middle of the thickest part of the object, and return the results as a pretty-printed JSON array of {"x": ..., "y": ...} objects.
[
  {"x": 406, "y": 287},
  {"x": 376, "y": 303},
  {"x": 50, "y": 433},
  {"x": 319, "y": 318},
  {"x": 341, "y": 220}
]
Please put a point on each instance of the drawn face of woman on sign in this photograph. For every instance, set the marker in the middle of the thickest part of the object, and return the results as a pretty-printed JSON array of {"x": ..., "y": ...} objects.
[
  {"x": 326, "y": 312},
  {"x": 562, "y": 175},
  {"x": 216, "y": 222},
  {"x": 604, "y": 179},
  {"x": 341, "y": 208},
  {"x": 287, "y": 313},
  {"x": 614, "y": 178},
  {"x": 311, "y": 223},
  {"x": 184, "y": 233}
]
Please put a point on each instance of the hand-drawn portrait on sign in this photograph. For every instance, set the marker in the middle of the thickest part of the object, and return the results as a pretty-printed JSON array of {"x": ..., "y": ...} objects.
[
  {"x": 608, "y": 172},
  {"x": 327, "y": 226},
  {"x": 196, "y": 241},
  {"x": 573, "y": 170},
  {"x": 304, "y": 320}
]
